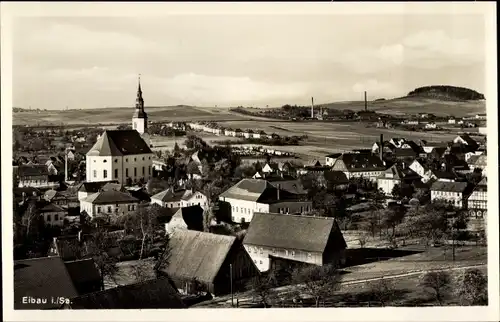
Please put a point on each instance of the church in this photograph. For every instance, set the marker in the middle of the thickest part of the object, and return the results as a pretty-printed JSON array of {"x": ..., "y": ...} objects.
[{"x": 123, "y": 155}]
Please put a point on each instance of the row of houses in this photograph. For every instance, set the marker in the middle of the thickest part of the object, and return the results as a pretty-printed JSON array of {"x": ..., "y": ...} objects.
[{"x": 216, "y": 129}]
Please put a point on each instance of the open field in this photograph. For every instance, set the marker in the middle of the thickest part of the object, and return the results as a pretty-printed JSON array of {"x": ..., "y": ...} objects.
[{"x": 116, "y": 115}]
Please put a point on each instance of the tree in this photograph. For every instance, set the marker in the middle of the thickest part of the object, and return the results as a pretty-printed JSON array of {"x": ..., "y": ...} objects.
[
  {"x": 402, "y": 191},
  {"x": 97, "y": 248},
  {"x": 472, "y": 288},
  {"x": 383, "y": 291},
  {"x": 261, "y": 287},
  {"x": 30, "y": 219},
  {"x": 439, "y": 283},
  {"x": 319, "y": 282},
  {"x": 372, "y": 223}
]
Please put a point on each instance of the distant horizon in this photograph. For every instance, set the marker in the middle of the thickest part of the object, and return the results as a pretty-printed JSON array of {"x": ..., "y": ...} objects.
[{"x": 316, "y": 103}]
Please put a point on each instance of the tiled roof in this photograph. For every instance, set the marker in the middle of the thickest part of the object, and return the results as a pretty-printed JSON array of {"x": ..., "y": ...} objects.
[
  {"x": 91, "y": 187},
  {"x": 44, "y": 277},
  {"x": 361, "y": 162},
  {"x": 169, "y": 195},
  {"x": 195, "y": 254},
  {"x": 337, "y": 177},
  {"x": 119, "y": 143},
  {"x": 52, "y": 208},
  {"x": 153, "y": 294},
  {"x": 449, "y": 186},
  {"x": 293, "y": 232},
  {"x": 110, "y": 197},
  {"x": 399, "y": 173},
  {"x": 257, "y": 190},
  {"x": 32, "y": 170}
]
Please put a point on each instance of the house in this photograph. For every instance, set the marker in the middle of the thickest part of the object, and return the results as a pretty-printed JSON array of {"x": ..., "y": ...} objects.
[
  {"x": 452, "y": 120},
  {"x": 152, "y": 294},
  {"x": 397, "y": 142},
  {"x": 483, "y": 130},
  {"x": 171, "y": 198},
  {"x": 404, "y": 154},
  {"x": 479, "y": 162},
  {"x": 88, "y": 188},
  {"x": 396, "y": 175},
  {"x": 53, "y": 215},
  {"x": 286, "y": 182},
  {"x": 336, "y": 179},
  {"x": 308, "y": 239},
  {"x": 429, "y": 147},
  {"x": 443, "y": 176},
  {"x": 85, "y": 275},
  {"x": 186, "y": 218},
  {"x": 55, "y": 197},
  {"x": 109, "y": 203},
  {"x": 419, "y": 167},
  {"x": 22, "y": 195},
  {"x": 478, "y": 200},
  {"x": 191, "y": 198},
  {"x": 119, "y": 155},
  {"x": 229, "y": 132},
  {"x": 359, "y": 165},
  {"x": 218, "y": 263},
  {"x": 71, "y": 155},
  {"x": 455, "y": 193},
  {"x": 36, "y": 176},
  {"x": 270, "y": 167},
  {"x": 465, "y": 139},
  {"x": 430, "y": 126},
  {"x": 257, "y": 195},
  {"x": 38, "y": 280},
  {"x": 331, "y": 158},
  {"x": 481, "y": 116},
  {"x": 287, "y": 167}
]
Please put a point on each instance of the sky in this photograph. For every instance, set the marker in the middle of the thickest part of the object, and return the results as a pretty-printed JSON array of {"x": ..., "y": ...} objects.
[{"x": 249, "y": 60}]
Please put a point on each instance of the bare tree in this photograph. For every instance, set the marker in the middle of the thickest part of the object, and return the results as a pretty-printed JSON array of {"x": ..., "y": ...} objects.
[
  {"x": 261, "y": 287},
  {"x": 30, "y": 217},
  {"x": 383, "y": 291},
  {"x": 439, "y": 283},
  {"x": 472, "y": 288},
  {"x": 319, "y": 282}
]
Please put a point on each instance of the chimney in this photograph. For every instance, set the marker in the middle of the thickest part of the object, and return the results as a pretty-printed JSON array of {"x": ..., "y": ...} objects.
[
  {"x": 312, "y": 107},
  {"x": 366, "y": 103},
  {"x": 381, "y": 149}
]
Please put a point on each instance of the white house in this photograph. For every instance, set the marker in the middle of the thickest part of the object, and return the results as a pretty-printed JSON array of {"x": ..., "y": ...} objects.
[
  {"x": 306, "y": 239},
  {"x": 36, "y": 176},
  {"x": 395, "y": 175},
  {"x": 452, "y": 120},
  {"x": 89, "y": 188},
  {"x": 455, "y": 193},
  {"x": 430, "y": 125},
  {"x": 110, "y": 203},
  {"x": 194, "y": 198},
  {"x": 257, "y": 195},
  {"x": 53, "y": 215},
  {"x": 168, "y": 198},
  {"x": 353, "y": 165},
  {"x": 119, "y": 155},
  {"x": 465, "y": 139},
  {"x": 478, "y": 200},
  {"x": 331, "y": 158},
  {"x": 423, "y": 171}
]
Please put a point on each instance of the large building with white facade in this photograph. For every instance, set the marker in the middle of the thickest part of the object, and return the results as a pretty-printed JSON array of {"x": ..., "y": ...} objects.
[{"x": 123, "y": 155}]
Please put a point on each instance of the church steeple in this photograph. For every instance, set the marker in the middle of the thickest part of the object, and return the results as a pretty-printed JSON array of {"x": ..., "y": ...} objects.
[{"x": 140, "y": 118}]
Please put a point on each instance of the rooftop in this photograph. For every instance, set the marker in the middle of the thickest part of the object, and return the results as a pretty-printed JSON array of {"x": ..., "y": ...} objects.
[
  {"x": 119, "y": 143},
  {"x": 110, "y": 197}
]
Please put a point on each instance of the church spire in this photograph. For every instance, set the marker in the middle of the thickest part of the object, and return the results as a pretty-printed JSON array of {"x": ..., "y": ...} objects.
[
  {"x": 140, "y": 118},
  {"x": 139, "y": 102}
]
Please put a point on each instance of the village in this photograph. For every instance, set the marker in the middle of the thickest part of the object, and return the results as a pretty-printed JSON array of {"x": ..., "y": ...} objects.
[{"x": 104, "y": 220}]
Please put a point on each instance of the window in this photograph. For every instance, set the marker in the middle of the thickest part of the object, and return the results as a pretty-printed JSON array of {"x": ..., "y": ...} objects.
[
  {"x": 116, "y": 173},
  {"x": 149, "y": 170},
  {"x": 109, "y": 209},
  {"x": 126, "y": 172},
  {"x": 135, "y": 172},
  {"x": 126, "y": 159},
  {"x": 293, "y": 253},
  {"x": 309, "y": 255},
  {"x": 149, "y": 158},
  {"x": 49, "y": 218},
  {"x": 104, "y": 161},
  {"x": 98, "y": 210},
  {"x": 261, "y": 250},
  {"x": 286, "y": 252},
  {"x": 135, "y": 159},
  {"x": 105, "y": 174},
  {"x": 143, "y": 170},
  {"x": 142, "y": 158},
  {"x": 116, "y": 160},
  {"x": 260, "y": 262},
  {"x": 56, "y": 217}
]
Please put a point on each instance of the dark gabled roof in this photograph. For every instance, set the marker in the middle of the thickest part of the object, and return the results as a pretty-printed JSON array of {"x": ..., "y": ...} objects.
[
  {"x": 51, "y": 208},
  {"x": 110, "y": 197},
  {"x": 192, "y": 216},
  {"x": 337, "y": 177},
  {"x": 449, "y": 186},
  {"x": 399, "y": 173},
  {"x": 292, "y": 232},
  {"x": 361, "y": 162},
  {"x": 444, "y": 174},
  {"x": 404, "y": 153},
  {"x": 482, "y": 185},
  {"x": 32, "y": 170},
  {"x": 195, "y": 254},
  {"x": 83, "y": 271},
  {"x": 93, "y": 187},
  {"x": 119, "y": 143},
  {"x": 153, "y": 294},
  {"x": 43, "y": 277},
  {"x": 468, "y": 139},
  {"x": 29, "y": 191},
  {"x": 258, "y": 190},
  {"x": 169, "y": 195}
]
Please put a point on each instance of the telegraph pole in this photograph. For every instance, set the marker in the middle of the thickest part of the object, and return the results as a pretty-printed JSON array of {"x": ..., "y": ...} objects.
[{"x": 231, "y": 278}]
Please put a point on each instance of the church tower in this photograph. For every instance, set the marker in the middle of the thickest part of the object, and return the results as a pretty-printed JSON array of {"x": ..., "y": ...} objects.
[{"x": 140, "y": 118}]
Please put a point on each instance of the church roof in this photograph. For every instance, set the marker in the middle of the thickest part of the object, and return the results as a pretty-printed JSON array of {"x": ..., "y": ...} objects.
[
  {"x": 119, "y": 143},
  {"x": 140, "y": 113}
]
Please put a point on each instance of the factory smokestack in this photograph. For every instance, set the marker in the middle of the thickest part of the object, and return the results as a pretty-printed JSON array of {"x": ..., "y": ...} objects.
[
  {"x": 366, "y": 103},
  {"x": 312, "y": 107},
  {"x": 381, "y": 149}
]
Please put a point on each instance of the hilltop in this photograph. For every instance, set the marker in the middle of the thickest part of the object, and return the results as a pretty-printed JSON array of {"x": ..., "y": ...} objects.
[{"x": 447, "y": 92}]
